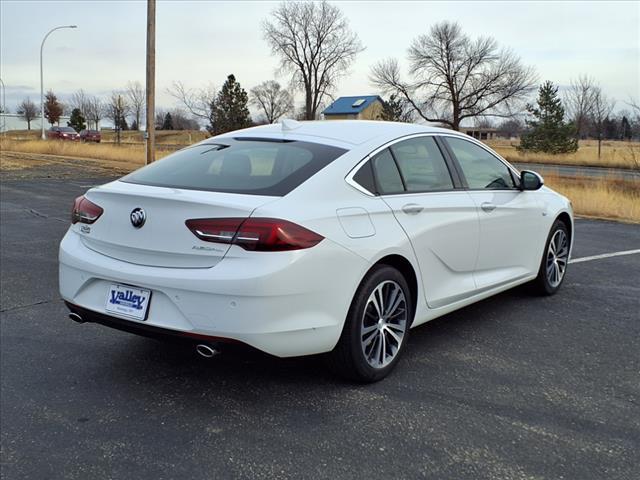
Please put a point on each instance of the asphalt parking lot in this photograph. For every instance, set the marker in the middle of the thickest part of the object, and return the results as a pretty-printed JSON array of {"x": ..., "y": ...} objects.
[{"x": 514, "y": 387}]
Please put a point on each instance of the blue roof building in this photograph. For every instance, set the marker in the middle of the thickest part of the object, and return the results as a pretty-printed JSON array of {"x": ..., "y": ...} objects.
[{"x": 364, "y": 107}]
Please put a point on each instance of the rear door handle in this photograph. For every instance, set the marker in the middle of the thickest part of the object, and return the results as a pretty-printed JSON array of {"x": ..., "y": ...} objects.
[
  {"x": 488, "y": 207},
  {"x": 412, "y": 208}
]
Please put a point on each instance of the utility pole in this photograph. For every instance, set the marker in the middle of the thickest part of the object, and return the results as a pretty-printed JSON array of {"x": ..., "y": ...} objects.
[{"x": 151, "y": 81}]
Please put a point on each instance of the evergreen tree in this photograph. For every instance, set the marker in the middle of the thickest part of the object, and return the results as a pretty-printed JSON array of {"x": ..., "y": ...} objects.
[
  {"x": 396, "y": 109},
  {"x": 52, "y": 108},
  {"x": 134, "y": 125},
  {"x": 229, "y": 110},
  {"x": 167, "y": 124},
  {"x": 123, "y": 123},
  {"x": 610, "y": 127},
  {"x": 77, "y": 121},
  {"x": 548, "y": 131},
  {"x": 625, "y": 129}
]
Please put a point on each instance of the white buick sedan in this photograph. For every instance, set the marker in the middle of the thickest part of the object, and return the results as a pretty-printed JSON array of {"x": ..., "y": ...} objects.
[{"x": 303, "y": 238}]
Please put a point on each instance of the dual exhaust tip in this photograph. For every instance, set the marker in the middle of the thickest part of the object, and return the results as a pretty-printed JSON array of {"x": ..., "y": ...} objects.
[
  {"x": 203, "y": 349},
  {"x": 207, "y": 351}
]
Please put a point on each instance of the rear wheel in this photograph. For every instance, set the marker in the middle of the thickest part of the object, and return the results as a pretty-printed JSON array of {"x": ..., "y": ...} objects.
[
  {"x": 376, "y": 328},
  {"x": 554, "y": 261}
]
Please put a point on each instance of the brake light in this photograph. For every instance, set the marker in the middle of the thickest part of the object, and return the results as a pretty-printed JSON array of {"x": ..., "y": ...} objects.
[
  {"x": 85, "y": 211},
  {"x": 256, "y": 234}
]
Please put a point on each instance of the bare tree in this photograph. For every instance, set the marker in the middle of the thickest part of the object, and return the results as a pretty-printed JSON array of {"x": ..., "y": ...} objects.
[
  {"x": 602, "y": 108},
  {"x": 196, "y": 100},
  {"x": 136, "y": 96},
  {"x": 315, "y": 44},
  {"x": 456, "y": 78},
  {"x": 117, "y": 110},
  {"x": 579, "y": 100},
  {"x": 28, "y": 111},
  {"x": 95, "y": 111},
  {"x": 79, "y": 99},
  {"x": 272, "y": 100}
]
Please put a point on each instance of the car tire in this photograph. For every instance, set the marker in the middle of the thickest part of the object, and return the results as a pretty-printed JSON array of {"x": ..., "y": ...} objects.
[
  {"x": 555, "y": 259},
  {"x": 372, "y": 341}
]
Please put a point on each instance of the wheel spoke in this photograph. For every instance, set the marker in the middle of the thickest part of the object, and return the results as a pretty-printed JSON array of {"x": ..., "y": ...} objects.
[
  {"x": 371, "y": 328},
  {"x": 383, "y": 324},
  {"x": 394, "y": 297},
  {"x": 394, "y": 336}
]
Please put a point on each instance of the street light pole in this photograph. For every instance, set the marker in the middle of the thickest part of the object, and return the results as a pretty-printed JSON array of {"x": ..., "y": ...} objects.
[{"x": 42, "y": 76}]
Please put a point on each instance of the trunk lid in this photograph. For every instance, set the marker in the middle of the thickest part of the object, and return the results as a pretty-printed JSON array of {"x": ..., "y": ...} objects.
[{"x": 163, "y": 240}]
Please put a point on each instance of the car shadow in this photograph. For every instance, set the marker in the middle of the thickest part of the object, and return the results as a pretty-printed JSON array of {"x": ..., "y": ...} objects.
[{"x": 147, "y": 360}]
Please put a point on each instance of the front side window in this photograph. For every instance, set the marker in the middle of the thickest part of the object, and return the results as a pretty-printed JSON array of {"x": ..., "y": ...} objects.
[
  {"x": 481, "y": 169},
  {"x": 422, "y": 165},
  {"x": 255, "y": 167}
]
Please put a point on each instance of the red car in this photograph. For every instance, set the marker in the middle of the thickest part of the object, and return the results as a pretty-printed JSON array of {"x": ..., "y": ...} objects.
[
  {"x": 90, "y": 136},
  {"x": 63, "y": 133}
]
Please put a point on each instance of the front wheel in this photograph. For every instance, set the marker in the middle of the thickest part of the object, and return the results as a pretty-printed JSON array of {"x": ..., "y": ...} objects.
[
  {"x": 376, "y": 328},
  {"x": 553, "y": 266}
]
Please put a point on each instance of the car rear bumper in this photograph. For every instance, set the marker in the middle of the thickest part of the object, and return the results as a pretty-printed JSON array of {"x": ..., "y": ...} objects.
[{"x": 284, "y": 303}]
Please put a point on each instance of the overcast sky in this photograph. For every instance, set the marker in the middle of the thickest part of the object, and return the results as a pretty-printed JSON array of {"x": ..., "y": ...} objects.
[{"x": 200, "y": 42}]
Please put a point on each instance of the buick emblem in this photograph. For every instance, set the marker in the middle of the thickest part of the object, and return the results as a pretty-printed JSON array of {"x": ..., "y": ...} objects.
[{"x": 138, "y": 217}]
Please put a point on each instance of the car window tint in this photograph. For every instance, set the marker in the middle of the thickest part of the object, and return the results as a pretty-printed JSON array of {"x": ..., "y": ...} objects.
[
  {"x": 422, "y": 165},
  {"x": 481, "y": 169},
  {"x": 364, "y": 177},
  {"x": 251, "y": 167},
  {"x": 386, "y": 173}
]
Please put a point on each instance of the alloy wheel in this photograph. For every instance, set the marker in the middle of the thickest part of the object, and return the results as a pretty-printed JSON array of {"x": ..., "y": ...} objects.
[
  {"x": 384, "y": 324},
  {"x": 557, "y": 257}
]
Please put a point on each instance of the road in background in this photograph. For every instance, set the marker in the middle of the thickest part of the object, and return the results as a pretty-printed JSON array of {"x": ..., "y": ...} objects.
[{"x": 581, "y": 171}]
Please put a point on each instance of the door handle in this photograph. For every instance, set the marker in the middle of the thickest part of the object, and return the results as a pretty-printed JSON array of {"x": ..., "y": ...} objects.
[
  {"x": 412, "y": 208},
  {"x": 488, "y": 207}
]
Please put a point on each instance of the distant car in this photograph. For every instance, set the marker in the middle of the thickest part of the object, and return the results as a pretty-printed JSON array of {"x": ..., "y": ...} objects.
[
  {"x": 63, "y": 133},
  {"x": 312, "y": 237},
  {"x": 90, "y": 136}
]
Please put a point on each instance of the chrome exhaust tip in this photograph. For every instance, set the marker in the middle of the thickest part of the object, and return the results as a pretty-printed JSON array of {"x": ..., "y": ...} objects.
[
  {"x": 76, "y": 318},
  {"x": 206, "y": 351}
]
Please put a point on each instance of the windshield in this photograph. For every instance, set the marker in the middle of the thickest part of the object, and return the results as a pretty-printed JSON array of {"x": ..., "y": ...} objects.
[
  {"x": 255, "y": 166},
  {"x": 67, "y": 130}
]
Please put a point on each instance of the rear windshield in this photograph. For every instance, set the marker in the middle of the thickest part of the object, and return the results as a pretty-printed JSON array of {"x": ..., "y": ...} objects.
[{"x": 256, "y": 167}]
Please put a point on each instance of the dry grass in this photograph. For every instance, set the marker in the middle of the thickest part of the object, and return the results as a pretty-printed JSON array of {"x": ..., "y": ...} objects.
[
  {"x": 163, "y": 137},
  {"x": 610, "y": 198},
  {"x": 133, "y": 155},
  {"x": 614, "y": 154}
]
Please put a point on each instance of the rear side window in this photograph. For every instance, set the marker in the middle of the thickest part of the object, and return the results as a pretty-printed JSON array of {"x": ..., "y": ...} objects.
[
  {"x": 386, "y": 173},
  {"x": 421, "y": 164},
  {"x": 255, "y": 167},
  {"x": 481, "y": 169}
]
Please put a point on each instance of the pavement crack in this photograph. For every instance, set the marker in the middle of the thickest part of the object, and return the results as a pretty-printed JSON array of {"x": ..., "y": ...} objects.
[
  {"x": 36, "y": 213},
  {"x": 18, "y": 307}
]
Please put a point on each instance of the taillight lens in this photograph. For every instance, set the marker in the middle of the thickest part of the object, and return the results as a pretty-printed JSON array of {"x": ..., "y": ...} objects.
[
  {"x": 257, "y": 234},
  {"x": 85, "y": 211}
]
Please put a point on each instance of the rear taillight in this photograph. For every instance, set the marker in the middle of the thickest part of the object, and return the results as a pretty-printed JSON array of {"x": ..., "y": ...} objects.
[
  {"x": 85, "y": 211},
  {"x": 257, "y": 234}
]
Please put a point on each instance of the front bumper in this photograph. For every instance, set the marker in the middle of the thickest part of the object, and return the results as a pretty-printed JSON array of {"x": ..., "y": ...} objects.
[{"x": 283, "y": 303}]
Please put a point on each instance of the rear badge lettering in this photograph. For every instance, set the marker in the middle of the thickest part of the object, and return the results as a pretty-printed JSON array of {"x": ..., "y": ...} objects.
[
  {"x": 208, "y": 249},
  {"x": 85, "y": 229}
]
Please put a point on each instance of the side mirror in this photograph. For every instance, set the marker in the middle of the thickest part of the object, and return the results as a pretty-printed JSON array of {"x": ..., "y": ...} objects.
[{"x": 530, "y": 180}]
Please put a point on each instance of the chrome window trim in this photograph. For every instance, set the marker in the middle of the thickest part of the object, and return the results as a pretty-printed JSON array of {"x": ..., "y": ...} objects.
[
  {"x": 350, "y": 181},
  {"x": 349, "y": 177}
]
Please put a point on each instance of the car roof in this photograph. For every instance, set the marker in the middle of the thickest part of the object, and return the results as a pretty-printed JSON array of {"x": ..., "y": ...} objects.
[{"x": 349, "y": 132}]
